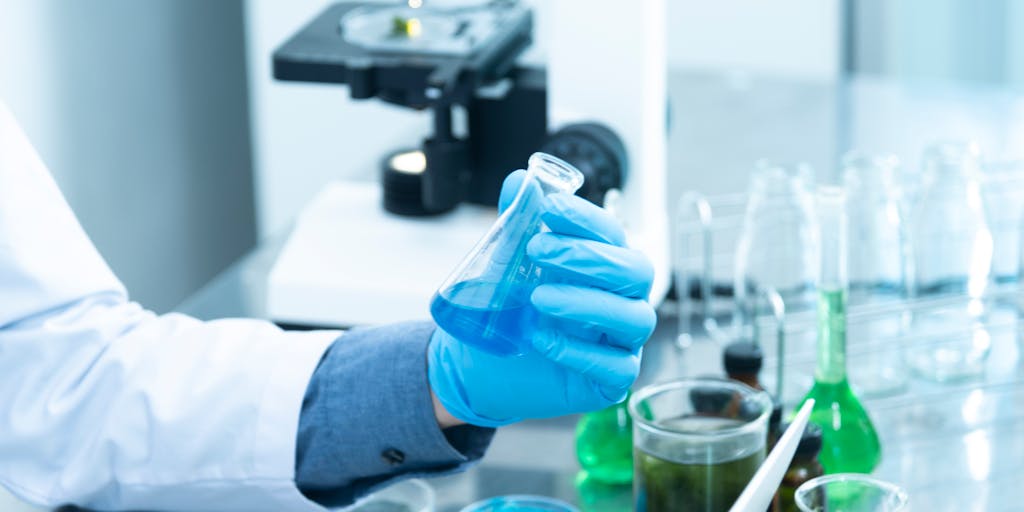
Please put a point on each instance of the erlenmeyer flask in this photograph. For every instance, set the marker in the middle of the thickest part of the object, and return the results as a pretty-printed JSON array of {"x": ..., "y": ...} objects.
[
  {"x": 486, "y": 300},
  {"x": 952, "y": 248},
  {"x": 877, "y": 271}
]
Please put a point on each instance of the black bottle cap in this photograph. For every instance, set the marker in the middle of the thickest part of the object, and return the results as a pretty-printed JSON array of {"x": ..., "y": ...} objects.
[
  {"x": 810, "y": 442},
  {"x": 743, "y": 358},
  {"x": 775, "y": 420},
  {"x": 710, "y": 401}
]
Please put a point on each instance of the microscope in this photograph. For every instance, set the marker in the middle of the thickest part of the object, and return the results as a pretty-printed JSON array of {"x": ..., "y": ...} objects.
[{"x": 372, "y": 254}]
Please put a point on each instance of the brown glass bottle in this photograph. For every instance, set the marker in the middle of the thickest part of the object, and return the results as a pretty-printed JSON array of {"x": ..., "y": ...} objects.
[{"x": 804, "y": 467}]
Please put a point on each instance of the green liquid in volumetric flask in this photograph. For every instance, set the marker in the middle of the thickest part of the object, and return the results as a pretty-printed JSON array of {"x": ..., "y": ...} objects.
[
  {"x": 850, "y": 443},
  {"x": 604, "y": 444}
]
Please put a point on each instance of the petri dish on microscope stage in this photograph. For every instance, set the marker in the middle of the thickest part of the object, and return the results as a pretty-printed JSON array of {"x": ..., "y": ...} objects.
[{"x": 520, "y": 503}]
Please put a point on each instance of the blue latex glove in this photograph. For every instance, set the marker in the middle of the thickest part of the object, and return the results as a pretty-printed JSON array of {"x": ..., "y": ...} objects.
[{"x": 594, "y": 320}]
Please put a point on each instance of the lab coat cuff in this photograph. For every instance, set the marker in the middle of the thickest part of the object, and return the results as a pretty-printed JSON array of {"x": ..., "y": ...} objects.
[
  {"x": 282, "y": 401},
  {"x": 369, "y": 418}
]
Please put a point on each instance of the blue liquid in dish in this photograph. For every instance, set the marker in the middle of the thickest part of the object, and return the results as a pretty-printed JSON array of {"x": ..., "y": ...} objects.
[{"x": 470, "y": 312}]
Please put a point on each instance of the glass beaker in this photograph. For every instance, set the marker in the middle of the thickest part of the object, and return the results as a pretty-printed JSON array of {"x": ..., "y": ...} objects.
[
  {"x": 696, "y": 443},
  {"x": 486, "y": 300},
  {"x": 848, "y": 492},
  {"x": 952, "y": 256},
  {"x": 877, "y": 269},
  {"x": 778, "y": 245}
]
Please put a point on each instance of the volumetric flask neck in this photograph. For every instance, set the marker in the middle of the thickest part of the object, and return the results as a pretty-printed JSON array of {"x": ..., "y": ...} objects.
[{"x": 486, "y": 301}]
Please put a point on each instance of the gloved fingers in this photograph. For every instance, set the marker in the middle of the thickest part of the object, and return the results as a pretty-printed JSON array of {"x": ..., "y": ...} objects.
[
  {"x": 619, "y": 270},
  {"x": 572, "y": 215},
  {"x": 588, "y": 396},
  {"x": 607, "y": 366},
  {"x": 627, "y": 323},
  {"x": 615, "y": 394},
  {"x": 509, "y": 189}
]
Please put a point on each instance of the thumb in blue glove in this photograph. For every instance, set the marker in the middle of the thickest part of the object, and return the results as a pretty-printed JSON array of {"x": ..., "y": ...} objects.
[{"x": 593, "y": 321}]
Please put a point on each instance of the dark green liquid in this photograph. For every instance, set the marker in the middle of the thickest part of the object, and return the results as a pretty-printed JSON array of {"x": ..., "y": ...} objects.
[{"x": 662, "y": 485}]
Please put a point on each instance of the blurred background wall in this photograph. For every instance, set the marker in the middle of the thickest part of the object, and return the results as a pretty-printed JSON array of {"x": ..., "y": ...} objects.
[{"x": 140, "y": 109}]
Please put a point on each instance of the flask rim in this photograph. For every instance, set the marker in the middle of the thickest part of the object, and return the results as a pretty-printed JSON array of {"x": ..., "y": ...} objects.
[{"x": 555, "y": 172}]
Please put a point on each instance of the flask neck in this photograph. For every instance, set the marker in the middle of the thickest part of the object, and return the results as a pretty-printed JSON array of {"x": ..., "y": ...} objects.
[
  {"x": 832, "y": 287},
  {"x": 831, "y": 367},
  {"x": 545, "y": 175}
]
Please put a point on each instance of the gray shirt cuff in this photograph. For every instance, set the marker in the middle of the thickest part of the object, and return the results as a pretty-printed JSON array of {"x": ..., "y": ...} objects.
[{"x": 367, "y": 419}]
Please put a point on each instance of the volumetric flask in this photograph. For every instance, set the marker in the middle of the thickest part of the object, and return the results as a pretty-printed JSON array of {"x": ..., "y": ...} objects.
[
  {"x": 952, "y": 257},
  {"x": 696, "y": 443},
  {"x": 849, "y": 492},
  {"x": 486, "y": 300},
  {"x": 876, "y": 263},
  {"x": 778, "y": 245}
]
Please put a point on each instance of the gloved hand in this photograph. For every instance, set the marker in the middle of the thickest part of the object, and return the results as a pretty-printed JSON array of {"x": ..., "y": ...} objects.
[{"x": 594, "y": 320}]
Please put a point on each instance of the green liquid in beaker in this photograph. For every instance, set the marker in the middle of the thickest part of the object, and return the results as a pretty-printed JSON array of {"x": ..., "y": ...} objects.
[
  {"x": 850, "y": 443},
  {"x": 663, "y": 485}
]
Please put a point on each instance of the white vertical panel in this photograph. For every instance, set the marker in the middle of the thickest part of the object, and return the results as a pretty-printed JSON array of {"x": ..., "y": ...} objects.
[
  {"x": 607, "y": 63},
  {"x": 785, "y": 37}
]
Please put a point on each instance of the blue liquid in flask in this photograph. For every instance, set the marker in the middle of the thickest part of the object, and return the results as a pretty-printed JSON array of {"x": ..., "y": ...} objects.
[{"x": 464, "y": 312}]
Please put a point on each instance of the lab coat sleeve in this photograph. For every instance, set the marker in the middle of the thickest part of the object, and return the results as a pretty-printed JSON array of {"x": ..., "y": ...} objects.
[
  {"x": 108, "y": 406},
  {"x": 368, "y": 418}
]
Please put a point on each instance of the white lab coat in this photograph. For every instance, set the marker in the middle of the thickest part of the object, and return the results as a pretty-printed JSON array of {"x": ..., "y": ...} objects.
[{"x": 106, "y": 405}]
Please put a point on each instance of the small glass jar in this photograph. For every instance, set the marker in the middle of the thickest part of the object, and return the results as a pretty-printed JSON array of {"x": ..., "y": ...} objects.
[{"x": 777, "y": 250}]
